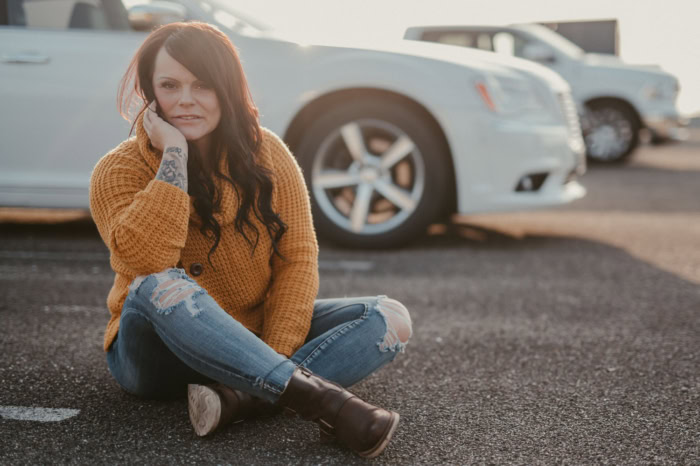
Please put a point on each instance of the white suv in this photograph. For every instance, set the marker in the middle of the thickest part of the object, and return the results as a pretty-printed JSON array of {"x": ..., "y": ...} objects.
[
  {"x": 389, "y": 139},
  {"x": 616, "y": 99}
]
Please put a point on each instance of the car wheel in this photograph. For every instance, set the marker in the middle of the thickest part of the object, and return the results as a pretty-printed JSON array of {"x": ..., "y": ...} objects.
[
  {"x": 377, "y": 173},
  {"x": 611, "y": 133}
]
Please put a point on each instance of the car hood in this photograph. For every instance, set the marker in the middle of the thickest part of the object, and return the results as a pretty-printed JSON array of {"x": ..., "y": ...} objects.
[
  {"x": 473, "y": 59},
  {"x": 610, "y": 61}
]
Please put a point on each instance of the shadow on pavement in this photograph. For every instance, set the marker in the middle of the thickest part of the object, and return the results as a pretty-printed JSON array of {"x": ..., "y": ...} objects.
[{"x": 526, "y": 349}]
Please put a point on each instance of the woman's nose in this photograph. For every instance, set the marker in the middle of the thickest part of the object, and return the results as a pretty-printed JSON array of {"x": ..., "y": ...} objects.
[{"x": 186, "y": 96}]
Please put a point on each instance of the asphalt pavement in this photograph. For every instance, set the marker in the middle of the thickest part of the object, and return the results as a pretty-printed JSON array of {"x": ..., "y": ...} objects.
[{"x": 567, "y": 335}]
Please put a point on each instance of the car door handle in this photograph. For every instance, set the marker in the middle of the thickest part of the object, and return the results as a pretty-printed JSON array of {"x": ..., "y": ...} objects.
[{"x": 25, "y": 58}]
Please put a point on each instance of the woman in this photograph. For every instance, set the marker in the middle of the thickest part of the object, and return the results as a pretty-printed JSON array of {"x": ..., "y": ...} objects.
[{"x": 207, "y": 219}]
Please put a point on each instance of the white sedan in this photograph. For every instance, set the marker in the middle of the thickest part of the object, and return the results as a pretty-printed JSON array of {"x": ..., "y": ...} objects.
[{"x": 389, "y": 139}]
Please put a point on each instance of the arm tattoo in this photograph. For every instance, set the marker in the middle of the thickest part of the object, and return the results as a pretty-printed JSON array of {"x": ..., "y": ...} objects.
[
  {"x": 173, "y": 168},
  {"x": 173, "y": 150}
]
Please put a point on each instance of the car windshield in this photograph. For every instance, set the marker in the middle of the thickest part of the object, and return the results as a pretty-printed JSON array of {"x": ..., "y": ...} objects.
[
  {"x": 222, "y": 11},
  {"x": 235, "y": 20},
  {"x": 557, "y": 41}
]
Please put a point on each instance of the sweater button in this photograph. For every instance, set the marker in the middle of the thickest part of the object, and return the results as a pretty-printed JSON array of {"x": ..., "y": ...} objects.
[{"x": 196, "y": 269}]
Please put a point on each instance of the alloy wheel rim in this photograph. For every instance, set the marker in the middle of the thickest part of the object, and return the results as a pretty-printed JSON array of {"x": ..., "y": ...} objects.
[
  {"x": 368, "y": 176},
  {"x": 610, "y": 134}
]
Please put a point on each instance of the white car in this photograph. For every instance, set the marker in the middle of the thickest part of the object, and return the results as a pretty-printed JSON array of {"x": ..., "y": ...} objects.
[
  {"x": 616, "y": 99},
  {"x": 390, "y": 140}
]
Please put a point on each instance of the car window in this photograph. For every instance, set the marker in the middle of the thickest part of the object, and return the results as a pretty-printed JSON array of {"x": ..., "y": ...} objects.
[
  {"x": 474, "y": 39},
  {"x": 553, "y": 39},
  {"x": 509, "y": 44},
  {"x": 463, "y": 39},
  {"x": 66, "y": 14},
  {"x": 483, "y": 42}
]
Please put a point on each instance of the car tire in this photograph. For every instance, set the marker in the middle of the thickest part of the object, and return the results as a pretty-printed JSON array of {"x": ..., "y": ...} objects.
[
  {"x": 611, "y": 133},
  {"x": 657, "y": 140},
  {"x": 377, "y": 173}
]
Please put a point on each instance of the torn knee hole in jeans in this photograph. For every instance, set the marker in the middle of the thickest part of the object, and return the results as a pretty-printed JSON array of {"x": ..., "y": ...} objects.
[
  {"x": 171, "y": 290},
  {"x": 398, "y": 325}
]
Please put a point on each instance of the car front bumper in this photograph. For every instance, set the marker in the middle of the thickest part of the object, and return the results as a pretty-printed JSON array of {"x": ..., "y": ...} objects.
[
  {"x": 550, "y": 155},
  {"x": 667, "y": 126}
]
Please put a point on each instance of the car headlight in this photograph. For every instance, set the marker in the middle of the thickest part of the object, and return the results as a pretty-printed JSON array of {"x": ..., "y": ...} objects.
[
  {"x": 667, "y": 89},
  {"x": 510, "y": 96}
]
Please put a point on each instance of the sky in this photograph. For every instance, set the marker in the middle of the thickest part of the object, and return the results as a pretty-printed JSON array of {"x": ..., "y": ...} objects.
[{"x": 662, "y": 32}]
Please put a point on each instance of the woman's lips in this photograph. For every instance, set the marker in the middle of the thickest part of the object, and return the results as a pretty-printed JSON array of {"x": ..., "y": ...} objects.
[{"x": 188, "y": 119}]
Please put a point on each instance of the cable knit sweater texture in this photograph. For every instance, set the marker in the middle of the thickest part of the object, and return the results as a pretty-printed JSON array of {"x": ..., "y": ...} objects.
[{"x": 150, "y": 225}]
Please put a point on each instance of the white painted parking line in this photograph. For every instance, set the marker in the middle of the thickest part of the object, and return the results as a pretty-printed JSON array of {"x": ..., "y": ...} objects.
[
  {"x": 24, "y": 413},
  {"x": 350, "y": 266}
]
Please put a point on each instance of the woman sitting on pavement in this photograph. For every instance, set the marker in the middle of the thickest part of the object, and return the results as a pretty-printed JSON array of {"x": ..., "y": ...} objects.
[{"x": 207, "y": 219}]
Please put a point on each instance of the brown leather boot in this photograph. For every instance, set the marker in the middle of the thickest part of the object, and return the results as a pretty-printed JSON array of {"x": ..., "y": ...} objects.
[
  {"x": 214, "y": 406},
  {"x": 340, "y": 414}
]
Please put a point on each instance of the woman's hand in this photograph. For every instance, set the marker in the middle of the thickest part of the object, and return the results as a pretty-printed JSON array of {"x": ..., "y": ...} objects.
[
  {"x": 160, "y": 132},
  {"x": 167, "y": 138}
]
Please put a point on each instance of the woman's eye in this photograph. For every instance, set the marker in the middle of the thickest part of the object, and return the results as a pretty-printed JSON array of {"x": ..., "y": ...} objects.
[
  {"x": 203, "y": 86},
  {"x": 168, "y": 85}
]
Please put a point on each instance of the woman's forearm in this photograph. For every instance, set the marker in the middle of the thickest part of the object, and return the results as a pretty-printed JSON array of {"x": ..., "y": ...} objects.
[{"x": 173, "y": 167}]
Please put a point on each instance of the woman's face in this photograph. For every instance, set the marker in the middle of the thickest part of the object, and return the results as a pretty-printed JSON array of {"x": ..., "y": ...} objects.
[{"x": 187, "y": 103}]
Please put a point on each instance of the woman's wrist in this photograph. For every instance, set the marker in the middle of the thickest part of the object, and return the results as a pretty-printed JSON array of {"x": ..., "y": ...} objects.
[
  {"x": 180, "y": 144},
  {"x": 175, "y": 151},
  {"x": 173, "y": 166}
]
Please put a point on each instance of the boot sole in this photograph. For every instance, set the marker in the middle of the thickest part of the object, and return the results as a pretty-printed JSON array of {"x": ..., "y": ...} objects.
[
  {"x": 204, "y": 407},
  {"x": 381, "y": 445}
]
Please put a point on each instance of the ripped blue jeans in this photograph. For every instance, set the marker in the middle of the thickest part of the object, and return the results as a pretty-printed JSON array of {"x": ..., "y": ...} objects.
[{"x": 171, "y": 333}]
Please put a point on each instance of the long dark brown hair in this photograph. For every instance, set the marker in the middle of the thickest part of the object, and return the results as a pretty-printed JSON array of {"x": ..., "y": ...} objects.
[{"x": 209, "y": 55}]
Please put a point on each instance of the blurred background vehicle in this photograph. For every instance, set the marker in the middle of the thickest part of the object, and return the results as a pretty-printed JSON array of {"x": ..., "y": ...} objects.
[
  {"x": 616, "y": 100},
  {"x": 390, "y": 139}
]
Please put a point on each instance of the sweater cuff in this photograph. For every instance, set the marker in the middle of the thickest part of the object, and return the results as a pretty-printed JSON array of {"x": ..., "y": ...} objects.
[
  {"x": 166, "y": 204},
  {"x": 284, "y": 345},
  {"x": 170, "y": 196}
]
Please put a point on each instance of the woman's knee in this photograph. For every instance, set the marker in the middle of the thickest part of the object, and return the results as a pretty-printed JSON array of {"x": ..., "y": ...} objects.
[
  {"x": 139, "y": 361},
  {"x": 136, "y": 337},
  {"x": 397, "y": 322},
  {"x": 167, "y": 289},
  {"x": 132, "y": 380}
]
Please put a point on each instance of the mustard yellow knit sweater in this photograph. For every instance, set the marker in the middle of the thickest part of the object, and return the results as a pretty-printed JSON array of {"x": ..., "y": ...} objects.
[{"x": 150, "y": 225}]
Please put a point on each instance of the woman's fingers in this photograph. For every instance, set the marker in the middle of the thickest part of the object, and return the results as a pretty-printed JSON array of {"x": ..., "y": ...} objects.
[
  {"x": 152, "y": 108},
  {"x": 158, "y": 129},
  {"x": 148, "y": 125},
  {"x": 150, "y": 117}
]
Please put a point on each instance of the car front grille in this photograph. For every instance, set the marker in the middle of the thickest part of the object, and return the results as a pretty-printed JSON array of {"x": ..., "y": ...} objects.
[{"x": 570, "y": 114}]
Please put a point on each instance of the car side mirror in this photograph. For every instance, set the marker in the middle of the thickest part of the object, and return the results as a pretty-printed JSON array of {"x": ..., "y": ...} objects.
[
  {"x": 148, "y": 16},
  {"x": 539, "y": 53}
]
